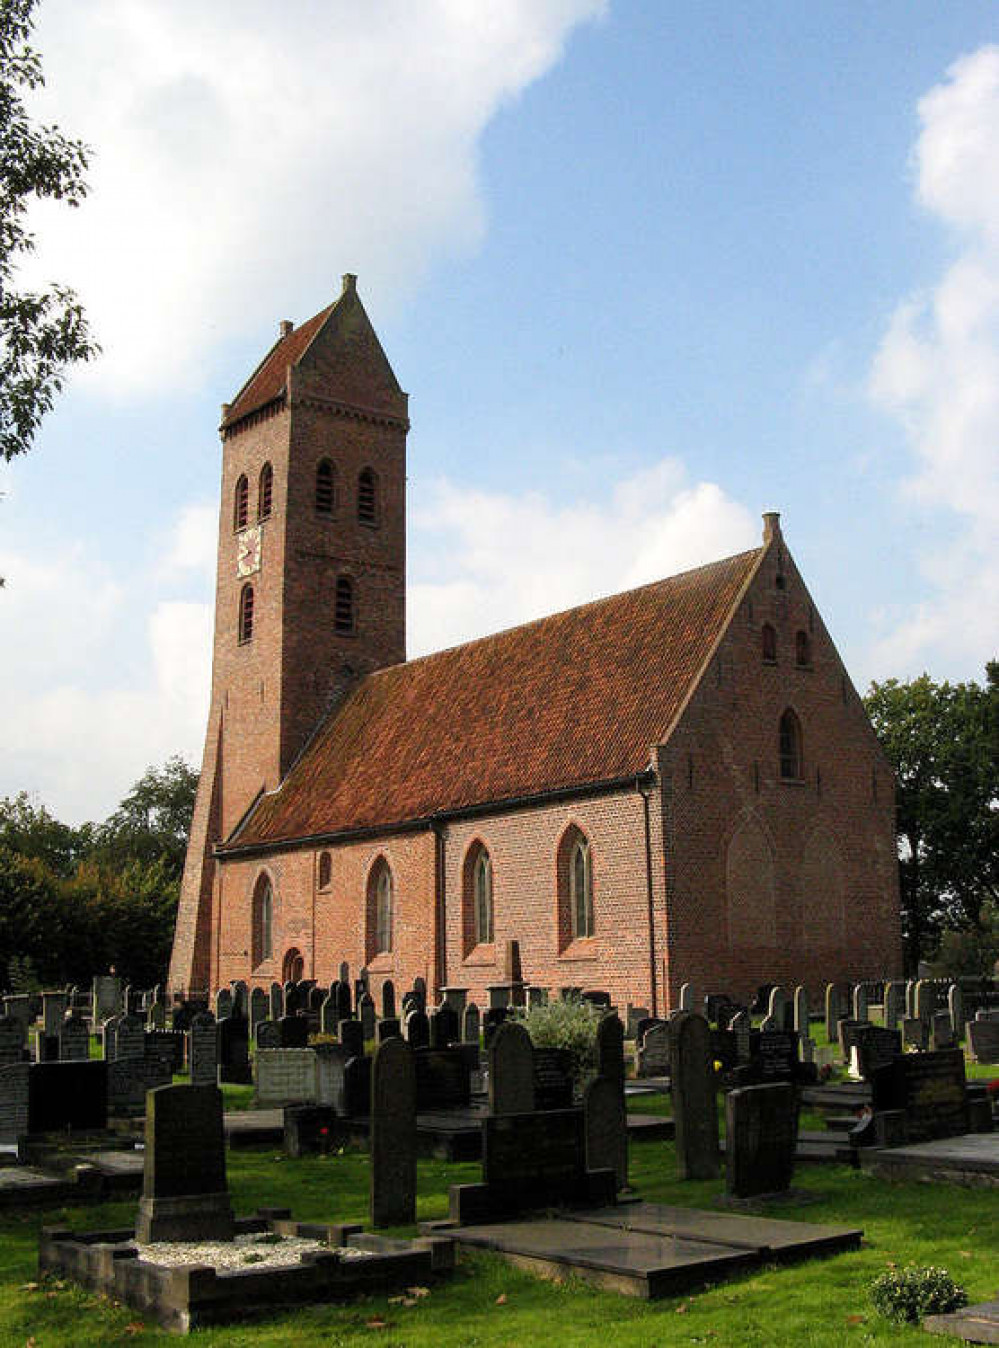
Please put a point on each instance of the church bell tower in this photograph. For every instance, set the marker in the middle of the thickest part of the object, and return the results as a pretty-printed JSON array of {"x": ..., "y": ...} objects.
[{"x": 310, "y": 591}]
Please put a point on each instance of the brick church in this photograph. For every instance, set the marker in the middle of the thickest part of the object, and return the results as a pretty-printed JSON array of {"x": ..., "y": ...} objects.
[{"x": 676, "y": 783}]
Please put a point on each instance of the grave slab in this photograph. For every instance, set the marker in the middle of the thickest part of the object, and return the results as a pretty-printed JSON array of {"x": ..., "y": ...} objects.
[
  {"x": 974, "y": 1324},
  {"x": 971, "y": 1160}
]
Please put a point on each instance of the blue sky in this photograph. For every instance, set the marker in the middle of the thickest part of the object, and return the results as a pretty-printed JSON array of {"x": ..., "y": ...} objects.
[{"x": 645, "y": 270}]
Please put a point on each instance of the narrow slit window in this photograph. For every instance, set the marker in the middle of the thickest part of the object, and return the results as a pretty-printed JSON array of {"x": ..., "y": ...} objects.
[
  {"x": 241, "y": 503},
  {"x": 768, "y": 637},
  {"x": 790, "y": 747},
  {"x": 581, "y": 889},
  {"x": 325, "y": 488},
  {"x": 246, "y": 614},
  {"x": 802, "y": 649},
  {"x": 343, "y": 609},
  {"x": 367, "y": 497}
]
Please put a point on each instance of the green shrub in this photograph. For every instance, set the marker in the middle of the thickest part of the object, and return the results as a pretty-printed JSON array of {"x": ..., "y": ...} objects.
[
  {"x": 570, "y": 1024},
  {"x": 909, "y": 1293}
]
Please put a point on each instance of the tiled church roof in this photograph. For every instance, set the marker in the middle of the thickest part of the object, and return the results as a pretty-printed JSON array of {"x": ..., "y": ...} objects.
[
  {"x": 268, "y": 380},
  {"x": 577, "y": 698}
]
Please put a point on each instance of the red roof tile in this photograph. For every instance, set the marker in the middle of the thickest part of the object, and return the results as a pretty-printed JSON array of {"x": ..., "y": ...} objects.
[
  {"x": 268, "y": 380},
  {"x": 574, "y": 699}
]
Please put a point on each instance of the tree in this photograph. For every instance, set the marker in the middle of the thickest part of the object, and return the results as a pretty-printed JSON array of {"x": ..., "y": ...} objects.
[
  {"x": 41, "y": 332},
  {"x": 28, "y": 829},
  {"x": 943, "y": 742},
  {"x": 153, "y": 820}
]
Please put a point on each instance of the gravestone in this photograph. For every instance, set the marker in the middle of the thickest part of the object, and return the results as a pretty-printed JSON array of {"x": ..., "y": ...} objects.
[
  {"x": 741, "y": 1026},
  {"x": 686, "y": 996},
  {"x": 53, "y": 1010},
  {"x": 835, "y": 1009},
  {"x": 294, "y": 1031},
  {"x": 470, "y": 1024},
  {"x": 915, "y": 1033},
  {"x": 74, "y": 1039},
  {"x": 352, "y": 1037},
  {"x": 344, "y": 1000},
  {"x": 780, "y": 1009},
  {"x": 443, "y": 1078},
  {"x": 606, "y": 1129},
  {"x": 924, "y": 1000},
  {"x": 537, "y": 997},
  {"x": 259, "y": 1007},
  {"x": 874, "y": 1048},
  {"x": 773, "y": 1058},
  {"x": 109, "y": 1038},
  {"x": 169, "y": 1043},
  {"x": 930, "y": 1087},
  {"x": 910, "y": 998},
  {"x": 456, "y": 999},
  {"x": 860, "y": 1002},
  {"x": 342, "y": 1082},
  {"x": 309, "y": 1130},
  {"x": 328, "y": 1018},
  {"x": 393, "y": 1135},
  {"x": 894, "y": 1004},
  {"x": 203, "y": 1050},
  {"x": 418, "y": 1029},
  {"x": 388, "y": 1028},
  {"x": 223, "y": 1003},
  {"x": 156, "y": 1016},
  {"x": 983, "y": 1040},
  {"x": 553, "y": 1083},
  {"x": 234, "y": 1050},
  {"x": 12, "y": 1041},
  {"x": 107, "y": 998},
  {"x": 760, "y": 1138},
  {"x": 68, "y": 1095},
  {"x": 267, "y": 1034},
  {"x": 725, "y": 1049},
  {"x": 130, "y": 1040},
  {"x": 388, "y": 999},
  {"x": 941, "y": 1031},
  {"x": 13, "y": 1102},
  {"x": 314, "y": 999},
  {"x": 343, "y": 973},
  {"x": 276, "y": 999},
  {"x": 285, "y": 1076},
  {"x": 955, "y": 1005},
  {"x": 653, "y": 1052},
  {"x": 692, "y": 1083},
  {"x": 445, "y": 1027},
  {"x": 801, "y": 1024},
  {"x": 184, "y": 1192},
  {"x": 846, "y": 1032},
  {"x": 420, "y": 989},
  {"x": 511, "y": 1071},
  {"x": 293, "y": 999},
  {"x": 610, "y": 1048},
  {"x": 366, "y": 1011}
]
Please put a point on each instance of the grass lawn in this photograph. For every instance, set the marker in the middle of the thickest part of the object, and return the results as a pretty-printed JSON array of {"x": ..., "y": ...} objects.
[{"x": 820, "y": 1302}]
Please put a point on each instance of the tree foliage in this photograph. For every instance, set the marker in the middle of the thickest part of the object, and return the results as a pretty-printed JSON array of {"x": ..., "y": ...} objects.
[
  {"x": 76, "y": 901},
  {"x": 943, "y": 742},
  {"x": 41, "y": 332}
]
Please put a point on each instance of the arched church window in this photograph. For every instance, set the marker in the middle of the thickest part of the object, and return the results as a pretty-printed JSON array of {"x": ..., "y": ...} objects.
[
  {"x": 343, "y": 608},
  {"x": 768, "y": 636},
  {"x": 367, "y": 496},
  {"x": 325, "y": 487},
  {"x": 241, "y": 503},
  {"x": 802, "y": 649},
  {"x": 575, "y": 887},
  {"x": 380, "y": 906},
  {"x": 483, "y": 888},
  {"x": 790, "y": 747},
  {"x": 263, "y": 920},
  {"x": 266, "y": 492},
  {"x": 245, "y": 614}
]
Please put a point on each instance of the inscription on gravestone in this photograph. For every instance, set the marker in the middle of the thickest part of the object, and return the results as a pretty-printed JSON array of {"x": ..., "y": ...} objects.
[{"x": 184, "y": 1195}]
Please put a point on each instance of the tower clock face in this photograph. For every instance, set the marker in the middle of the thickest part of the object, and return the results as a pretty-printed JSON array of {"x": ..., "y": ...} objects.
[{"x": 248, "y": 548}]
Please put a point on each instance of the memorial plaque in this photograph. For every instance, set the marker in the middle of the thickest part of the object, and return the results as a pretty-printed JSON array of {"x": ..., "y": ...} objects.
[{"x": 930, "y": 1087}]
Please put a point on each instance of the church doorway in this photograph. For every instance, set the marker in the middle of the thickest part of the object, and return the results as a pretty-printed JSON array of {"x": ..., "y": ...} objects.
[{"x": 293, "y": 967}]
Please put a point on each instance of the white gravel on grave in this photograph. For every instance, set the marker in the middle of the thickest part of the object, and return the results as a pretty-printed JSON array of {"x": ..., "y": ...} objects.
[{"x": 231, "y": 1255}]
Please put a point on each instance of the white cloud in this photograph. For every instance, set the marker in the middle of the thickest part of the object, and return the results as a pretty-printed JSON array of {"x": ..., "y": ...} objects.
[
  {"x": 937, "y": 370},
  {"x": 106, "y": 677},
  {"x": 509, "y": 558},
  {"x": 216, "y": 126}
]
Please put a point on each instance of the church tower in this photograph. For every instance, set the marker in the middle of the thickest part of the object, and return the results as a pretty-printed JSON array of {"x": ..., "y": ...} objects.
[{"x": 311, "y": 581}]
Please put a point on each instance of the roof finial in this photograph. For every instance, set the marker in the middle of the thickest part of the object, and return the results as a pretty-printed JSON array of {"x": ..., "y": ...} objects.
[
  {"x": 287, "y": 326},
  {"x": 349, "y": 283},
  {"x": 771, "y": 525}
]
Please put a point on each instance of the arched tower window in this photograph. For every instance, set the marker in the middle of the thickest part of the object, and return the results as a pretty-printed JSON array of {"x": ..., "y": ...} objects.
[
  {"x": 325, "y": 487},
  {"x": 802, "y": 649},
  {"x": 343, "y": 608},
  {"x": 790, "y": 747},
  {"x": 245, "y": 614},
  {"x": 325, "y": 870},
  {"x": 241, "y": 503},
  {"x": 265, "y": 494},
  {"x": 367, "y": 496},
  {"x": 263, "y": 920},
  {"x": 769, "y": 640},
  {"x": 380, "y": 905}
]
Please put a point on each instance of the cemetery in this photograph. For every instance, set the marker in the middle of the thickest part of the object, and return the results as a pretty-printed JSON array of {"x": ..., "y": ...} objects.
[{"x": 297, "y": 1156}]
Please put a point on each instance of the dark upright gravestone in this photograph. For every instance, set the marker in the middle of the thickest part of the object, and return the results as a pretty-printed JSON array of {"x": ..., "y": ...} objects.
[
  {"x": 983, "y": 1038},
  {"x": 344, "y": 1000},
  {"x": 388, "y": 1028},
  {"x": 610, "y": 1049},
  {"x": 267, "y": 1034},
  {"x": 388, "y": 999},
  {"x": 875, "y": 1048},
  {"x": 109, "y": 1038},
  {"x": 293, "y": 999},
  {"x": 553, "y": 1085},
  {"x": 471, "y": 1024},
  {"x": 420, "y": 989},
  {"x": 328, "y": 1018},
  {"x": 418, "y": 1029},
  {"x": 294, "y": 1031},
  {"x": 234, "y": 1050},
  {"x": 314, "y": 1000},
  {"x": 653, "y": 1050},
  {"x": 511, "y": 1071},
  {"x": 184, "y": 1192},
  {"x": 352, "y": 1037},
  {"x": 692, "y": 1083},
  {"x": 259, "y": 1006},
  {"x": 223, "y": 1003},
  {"x": 65, "y": 1095},
  {"x": 12, "y": 1041},
  {"x": 366, "y": 1012},
  {"x": 835, "y": 1008},
  {"x": 240, "y": 998},
  {"x": 443, "y": 1079},
  {"x": 760, "y": 1137},
  {"x": 393, "y": 1135},
  {"x": 203, "y": 1050},
  {"x": 606, "y": 1127},
  {"x": 445, "y": 1027},
  {"x": 14, "y": 1101},
  {"x": 130, "y": 1041},
  {"x": 930, "y": 1087},
  {"x": 276, "y": 1000},
  {"x": 74, "y": 1039},
  {"x": 941, "y": 1031},
  {"x": 915, "y": 1033}
]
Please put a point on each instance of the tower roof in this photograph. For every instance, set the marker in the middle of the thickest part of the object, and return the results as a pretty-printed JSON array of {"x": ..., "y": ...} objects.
[
  {"x": 267, "y": 383},
  {"x": 571, "y": 700}
]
